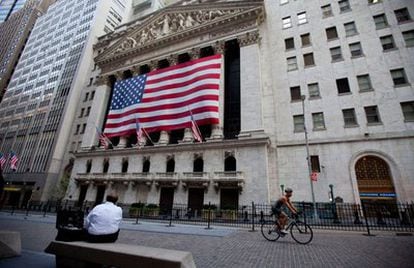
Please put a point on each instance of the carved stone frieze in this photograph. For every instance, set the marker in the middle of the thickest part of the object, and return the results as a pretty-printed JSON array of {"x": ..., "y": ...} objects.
[
  {"x": 176, "y": 24},
  {"x": 249, "y": 39},
  {"x": 102, "y": 80}
]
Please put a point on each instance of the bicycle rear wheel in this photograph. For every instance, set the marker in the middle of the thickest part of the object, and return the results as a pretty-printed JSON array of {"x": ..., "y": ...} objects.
[
  {"x": 301, "y": 233},
  {"x": 269, "y": 231}
]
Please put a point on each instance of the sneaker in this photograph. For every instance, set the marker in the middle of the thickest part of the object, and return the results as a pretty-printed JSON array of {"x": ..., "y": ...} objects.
[{"x": 284, "y": 232}]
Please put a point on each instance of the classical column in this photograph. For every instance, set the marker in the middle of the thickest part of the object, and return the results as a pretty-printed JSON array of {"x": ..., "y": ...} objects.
[
  {"x": 164, "y": 138},
  {"x": 97, "y": 113},
  {"x": 173, "y": 60},
  {"x": 217, "y": 129},
  {"x": 250, "y": 87}
]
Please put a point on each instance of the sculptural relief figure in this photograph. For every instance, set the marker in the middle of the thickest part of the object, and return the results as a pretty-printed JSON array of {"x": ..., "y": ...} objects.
[
  {"x": 165, "y": 25},
  {"x": 189, "y": 21},
  {"x": 144, "y": 37}
]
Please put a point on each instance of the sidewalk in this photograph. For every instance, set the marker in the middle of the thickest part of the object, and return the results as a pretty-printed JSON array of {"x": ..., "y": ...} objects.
[{"x": 228, "y": 247}]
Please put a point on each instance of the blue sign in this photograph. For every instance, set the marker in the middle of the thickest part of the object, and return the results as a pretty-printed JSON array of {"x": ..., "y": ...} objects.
[{"x": 377, "y": 194}]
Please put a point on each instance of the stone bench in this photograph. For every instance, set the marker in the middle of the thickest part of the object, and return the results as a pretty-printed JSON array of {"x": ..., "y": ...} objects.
[
  {"x": 83, "y": 254},
  {"x": 10, "y": 244}
]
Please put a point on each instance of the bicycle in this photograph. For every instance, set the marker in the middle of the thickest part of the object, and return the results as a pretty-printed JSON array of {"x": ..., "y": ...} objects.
[{"x": 301, "y": 232}]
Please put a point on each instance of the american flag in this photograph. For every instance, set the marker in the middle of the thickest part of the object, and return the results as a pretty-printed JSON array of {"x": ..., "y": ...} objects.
[
  {"x": 13, "y": 161},
  {"x": 103, "y": 139},
  {"x": 2, "y": 161},
  {"x": 140, "y": 133},
  {"x": 196, "y": 131},
  {"x": 160, "y": 99}
]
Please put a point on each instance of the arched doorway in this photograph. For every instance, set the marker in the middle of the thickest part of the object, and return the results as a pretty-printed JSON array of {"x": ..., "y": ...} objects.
[{"x": 375, "y": 182}]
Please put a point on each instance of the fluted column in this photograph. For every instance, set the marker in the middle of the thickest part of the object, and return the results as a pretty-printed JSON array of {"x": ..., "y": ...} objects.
[
  {"x": 217, "y": 129},
  {"x": 250, "y": 88}
]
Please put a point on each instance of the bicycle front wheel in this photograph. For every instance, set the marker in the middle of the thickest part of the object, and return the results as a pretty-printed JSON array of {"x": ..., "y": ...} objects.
[
  {"x": 301, "y": 233},
  {"x": 269, "y": 231}
]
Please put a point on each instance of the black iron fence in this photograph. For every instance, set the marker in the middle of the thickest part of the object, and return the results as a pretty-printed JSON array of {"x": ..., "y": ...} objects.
[{"x": 338, "y": 216}]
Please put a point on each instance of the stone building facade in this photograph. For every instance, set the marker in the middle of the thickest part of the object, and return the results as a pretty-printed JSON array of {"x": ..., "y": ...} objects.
[{"x": 274, "y": 52}]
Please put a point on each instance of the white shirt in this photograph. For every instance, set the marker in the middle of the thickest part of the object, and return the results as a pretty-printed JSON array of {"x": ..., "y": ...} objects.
[{"x": 103, "y": 219}]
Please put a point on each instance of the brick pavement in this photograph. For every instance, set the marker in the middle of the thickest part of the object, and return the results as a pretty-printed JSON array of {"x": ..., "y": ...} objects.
[{"x": 241, "y": 248}]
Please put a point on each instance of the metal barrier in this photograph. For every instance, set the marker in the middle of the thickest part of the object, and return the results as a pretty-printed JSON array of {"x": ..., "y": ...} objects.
[{"x": 336, "y": 216}]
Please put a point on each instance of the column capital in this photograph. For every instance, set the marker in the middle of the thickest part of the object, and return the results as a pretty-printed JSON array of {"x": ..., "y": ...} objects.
[
  {"x": 152, "y": 65},
  {"x": 102, "y": 80},
  {"x": 194, "y": 53},
  {"x": 135, "y": 70},
  {"x": 219, "y": 47},
  {"x": 173, "y": 60},
  {"x": 248, "y": 39}
]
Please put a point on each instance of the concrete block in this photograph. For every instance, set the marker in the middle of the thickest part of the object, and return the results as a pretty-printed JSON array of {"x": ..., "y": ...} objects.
[{"x": 10, "y": 244}]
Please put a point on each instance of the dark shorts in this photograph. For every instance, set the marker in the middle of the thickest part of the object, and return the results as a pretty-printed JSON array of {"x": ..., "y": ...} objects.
[{"x": 276, "y": 211}]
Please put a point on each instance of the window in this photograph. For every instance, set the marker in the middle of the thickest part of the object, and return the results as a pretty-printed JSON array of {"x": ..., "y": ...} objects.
[
  {"x": 318, "y": 121},
  {"x": 387, "y": 42},
  {"x": 90, "y": 81},
  {"x": 364, "y": 82},
  {"x": 356, "y": 49},
  {"x": 316, "y": 167},
  {"x": 88, "y": 111},
  {"x": 344, "y": 5},
  {"x": 83, "y": 129},
  {"x": 409, "y": 38},
  {"x": 331, "y": 33},
  {"x": 92, "y": 95},
  {"x": 302, "y": 18},
  {"x": 402, "y": 15},
  {"x": 350, "y": 29},
  {"x": 313, "y": 90},
  {"x": 286, "y": 22},
  {"x": 342, "y": 85},
  {"x": 326, "y": 11},
  {"x": 399, "y": 77},
  {"x": 336, "y": 54},
  {"x": 299, "y": 123},
  {"x": 86, "y": 97},
  {"x": 292, "y": 64},
  {"x": 408, "y": 110},
  {"x": 372, "y": 115},
  {"x": 305, "y": 38},
  {"x": 77, "y": 129},
  {"x": 308, "y": 59},
  {"x": 81, "y": 113},
  {"x": 350, "y": 119},
  {"x": 295, "y": 93},
  {"x": 289, "y": 43},
  {"x": 380, "y": 21}
]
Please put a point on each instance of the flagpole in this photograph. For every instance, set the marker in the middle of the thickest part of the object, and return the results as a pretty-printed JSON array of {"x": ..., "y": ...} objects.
[{"x": 195, "y": 123}]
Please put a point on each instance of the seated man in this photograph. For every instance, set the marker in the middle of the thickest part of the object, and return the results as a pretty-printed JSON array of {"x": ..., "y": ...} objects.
[{"x": 102, "y": 223}]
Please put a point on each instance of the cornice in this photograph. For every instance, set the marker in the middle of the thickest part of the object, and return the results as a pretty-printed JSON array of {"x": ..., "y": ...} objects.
[{"x": 177, "y": 148}]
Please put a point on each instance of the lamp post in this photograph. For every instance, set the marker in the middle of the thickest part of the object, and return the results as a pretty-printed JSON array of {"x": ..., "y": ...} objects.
[
  {"x": 334, "y": 212},
  {"x": 303, "y": 97}
]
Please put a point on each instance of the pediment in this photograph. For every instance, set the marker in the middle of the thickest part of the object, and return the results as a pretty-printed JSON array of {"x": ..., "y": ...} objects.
[{"x": 173, "y": 23}]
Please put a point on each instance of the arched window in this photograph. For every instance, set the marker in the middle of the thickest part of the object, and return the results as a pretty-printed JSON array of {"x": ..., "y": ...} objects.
[
  {"x": 146, "y": 166},
  {"x": 88, "y": 165},
  {"x": 105, "y": 165},
  {"x": 198, "y": 165},
  {"x": 170, "y": 165},
  {"x": 230, "y": 164},
  {"x": 125, "y": 165}
]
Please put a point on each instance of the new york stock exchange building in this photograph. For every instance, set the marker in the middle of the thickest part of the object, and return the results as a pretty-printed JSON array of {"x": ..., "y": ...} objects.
[{"x": 222, "y": 65}]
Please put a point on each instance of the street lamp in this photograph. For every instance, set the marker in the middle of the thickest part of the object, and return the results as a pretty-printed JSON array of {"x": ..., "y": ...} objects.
[{"x": 303, "y": 97}]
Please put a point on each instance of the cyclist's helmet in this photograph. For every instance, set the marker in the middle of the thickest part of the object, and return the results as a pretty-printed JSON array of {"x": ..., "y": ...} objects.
[{"x": 288, "y": 190}]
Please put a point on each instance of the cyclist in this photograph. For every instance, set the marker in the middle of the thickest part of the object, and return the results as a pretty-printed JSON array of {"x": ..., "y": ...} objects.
[{"x": 284, "y": 201}]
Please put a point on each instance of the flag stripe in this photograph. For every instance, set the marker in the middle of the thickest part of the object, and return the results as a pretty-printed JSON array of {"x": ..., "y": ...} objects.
[{"x": 160, "y": 99}]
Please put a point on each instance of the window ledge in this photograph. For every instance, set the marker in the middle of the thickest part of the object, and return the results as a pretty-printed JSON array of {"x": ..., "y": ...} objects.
[
  {"x": 366, "y": 90},
  {"x": 351, "y": 126},
  {"x": 409, "y": 45},
  {"x": 319, "y": 129},
  {"x": 291, "y": 70},
  {"x": 298, "y": 131},
  {"x": 306, "y": 22},
  {"x": 409, "y": 120},
  {"x": 298, "y": 100},
  {"x": 310, "y": 66},
  {"x": 315, "y": 98},
  {"x": 290, "y": 49},
  {"x": 374, "y": 124},
  {"x": 382, "y": 27},
  {"x": 333, "y": 39},
  {"x": 402, "y": 85},
  {"x": 358, "y": 56},
  {"x": 309, "y": 45},
  {"x": 345, "y": 93},
  {"x": 337, "y": 60},
  {"x": 354, "y": 34},
  {"x": 404, "y": 22},
  {"x": 390, "y": 49},
  {"x": 345, "y": 11}
]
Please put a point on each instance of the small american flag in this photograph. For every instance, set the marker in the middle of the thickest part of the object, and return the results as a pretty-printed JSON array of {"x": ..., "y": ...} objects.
[
  {"x": 13, "y": 161},
  {"x": 103, "y": 139},
  {"x": 2, "y": 161},
  {"x": 140, "y": 133},
  {"x": 160, "y": 98},
  {"x": 196, "y": 131}
]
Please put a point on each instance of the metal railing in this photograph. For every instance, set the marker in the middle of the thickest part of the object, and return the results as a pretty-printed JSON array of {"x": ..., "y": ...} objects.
[{"x": 336, "y": 216}]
